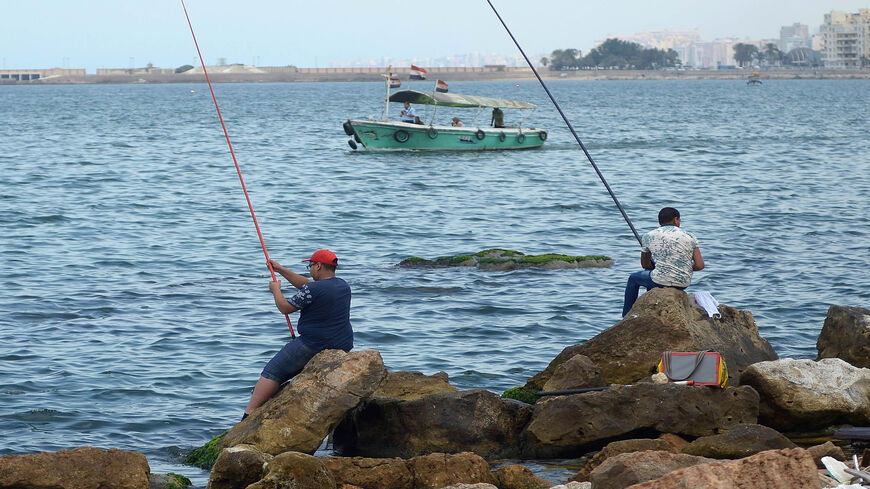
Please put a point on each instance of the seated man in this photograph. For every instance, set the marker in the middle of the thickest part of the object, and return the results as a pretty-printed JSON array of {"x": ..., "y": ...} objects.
[
  {"x": 409, "y": 116},
  {"x": 457, "y": 122},
  {"x": 668, "y": 255}
]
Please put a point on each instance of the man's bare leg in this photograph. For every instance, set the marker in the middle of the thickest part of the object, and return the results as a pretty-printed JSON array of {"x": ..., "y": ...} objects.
[{"x": 263, "y": 391}]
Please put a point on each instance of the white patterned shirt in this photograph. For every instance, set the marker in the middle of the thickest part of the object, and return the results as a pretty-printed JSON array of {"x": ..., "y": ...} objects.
[{"x": 671, "y": 250}]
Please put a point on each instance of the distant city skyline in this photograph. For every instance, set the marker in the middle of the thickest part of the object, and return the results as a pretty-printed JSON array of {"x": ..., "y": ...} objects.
[{"x": 131, "y": 33}]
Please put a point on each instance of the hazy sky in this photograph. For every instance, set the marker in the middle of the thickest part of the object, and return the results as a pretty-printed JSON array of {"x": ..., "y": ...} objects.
[{"x": 108, "y": 33}]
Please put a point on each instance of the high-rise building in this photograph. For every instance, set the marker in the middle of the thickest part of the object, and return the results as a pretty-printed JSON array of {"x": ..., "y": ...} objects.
[
  {"x": 793, "y": 36},
  {"x": 846, "y": 39}
]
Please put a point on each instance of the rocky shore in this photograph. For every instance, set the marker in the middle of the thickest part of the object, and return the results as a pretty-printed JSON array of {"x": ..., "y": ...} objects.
[{"x": 769, "y": 428}]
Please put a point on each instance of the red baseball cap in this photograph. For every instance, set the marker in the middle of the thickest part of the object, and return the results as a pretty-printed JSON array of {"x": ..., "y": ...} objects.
[{"x": 323, "y": 256}]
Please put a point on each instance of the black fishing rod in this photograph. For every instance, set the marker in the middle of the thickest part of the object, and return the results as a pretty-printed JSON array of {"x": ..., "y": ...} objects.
[{"x": 582, "y": 146}]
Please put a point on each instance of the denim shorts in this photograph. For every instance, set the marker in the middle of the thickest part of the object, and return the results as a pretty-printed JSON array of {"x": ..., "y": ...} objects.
[{"x": 288, "y": 362}]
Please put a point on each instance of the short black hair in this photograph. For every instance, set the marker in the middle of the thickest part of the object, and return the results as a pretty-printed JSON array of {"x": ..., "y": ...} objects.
[
  {"x": 667, "y": 215},
  {"x": 329, "y": 267}
]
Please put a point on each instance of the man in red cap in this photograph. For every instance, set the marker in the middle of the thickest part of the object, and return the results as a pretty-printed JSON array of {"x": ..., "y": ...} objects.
[{"x": 324, "y": 322}]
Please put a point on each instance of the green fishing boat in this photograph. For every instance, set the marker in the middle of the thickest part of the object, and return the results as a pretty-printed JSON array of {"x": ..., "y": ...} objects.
[{"x": 386, "y": 135}]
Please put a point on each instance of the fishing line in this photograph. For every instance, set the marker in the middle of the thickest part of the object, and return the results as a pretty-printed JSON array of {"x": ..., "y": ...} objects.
[
  {"x": 582, "y": 146},
  {"x": 233, "y": 153}
]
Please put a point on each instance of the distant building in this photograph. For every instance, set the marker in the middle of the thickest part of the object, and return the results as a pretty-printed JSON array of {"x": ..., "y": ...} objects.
[
  {"x": 149, "y": 69},
  {"x": 846, "y": 39},
  {"x": 29, "y": 75},
  {"x": 793, "y": 36}
]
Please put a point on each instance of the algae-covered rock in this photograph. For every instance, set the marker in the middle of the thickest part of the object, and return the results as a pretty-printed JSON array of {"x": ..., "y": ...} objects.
[
  {"x": 502, "y": 259},
  {"x": 205, "y": 456}
]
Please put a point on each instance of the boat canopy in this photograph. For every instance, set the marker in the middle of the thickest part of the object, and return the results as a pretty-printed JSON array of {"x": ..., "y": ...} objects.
[{"x": 456, "y": 100}]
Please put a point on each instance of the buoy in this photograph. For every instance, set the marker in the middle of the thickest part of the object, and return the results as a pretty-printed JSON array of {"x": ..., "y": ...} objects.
[{"x": 518, "y": 85}]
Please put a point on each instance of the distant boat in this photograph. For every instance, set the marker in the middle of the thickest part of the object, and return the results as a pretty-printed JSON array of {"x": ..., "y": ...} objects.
[
  {"x": 385, "y": 135},
  {"x": 754, "y": 79}
]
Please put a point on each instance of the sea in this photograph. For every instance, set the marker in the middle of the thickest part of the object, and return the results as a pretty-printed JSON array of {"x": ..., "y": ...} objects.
[{"x": 135, "y": 310}]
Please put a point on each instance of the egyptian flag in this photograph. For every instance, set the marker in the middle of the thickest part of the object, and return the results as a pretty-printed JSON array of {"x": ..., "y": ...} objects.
[
  {"x": 395, "y": 82},
  {"x": 417, "y": 73},
  {"x": 440, "y": 86}
]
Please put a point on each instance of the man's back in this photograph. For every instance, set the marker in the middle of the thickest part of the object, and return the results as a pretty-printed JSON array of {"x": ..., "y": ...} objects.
[
  {"x": 325, "y": 318},
  {"x": 671, "y": 250}
]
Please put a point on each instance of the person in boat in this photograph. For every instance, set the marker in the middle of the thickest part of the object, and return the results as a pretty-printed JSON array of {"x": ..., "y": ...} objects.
[
  {"x": 497, "y": 117},
  {"x": 408, "y": 115},
  {"x": 324, "y": 322},
  {"x": 457, "y": 122},
  {"x": 668, "y": 255}
]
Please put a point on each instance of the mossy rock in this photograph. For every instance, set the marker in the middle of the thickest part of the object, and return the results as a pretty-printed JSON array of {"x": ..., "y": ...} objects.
[
  {"x": 504, "y": 259},
  {"x": 204, "y": 457},
  {"x": 169, "y": 481},
  {"x": 520, "y": 393}
]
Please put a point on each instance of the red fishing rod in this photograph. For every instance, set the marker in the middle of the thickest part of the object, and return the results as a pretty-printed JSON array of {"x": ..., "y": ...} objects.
[{"x": 233, "y": 153}]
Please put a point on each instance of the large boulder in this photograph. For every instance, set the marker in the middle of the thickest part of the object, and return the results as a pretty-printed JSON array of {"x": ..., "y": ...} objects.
[
  {"x": 630, "y": 468},
  {"x": 801, "y": 395},
  {"x": 773, "y": 469},
  {"x": 846, "y": 335},
  {"x": 294, "y": 470},
  {"x": 237, "y": 467},
  {"x": 300, "y": 416},
  {"x": 619, "y": 447},
  {"x": 568, "y": 426},
  {"x": 437, "y": 470},
  {"x": 466, "y": 421},
  {"x": 740, "y": 441},
  {"x": 663, "y": 319},
  {"x": 78, "y": 468},
  {"x": 413, "y": 385}
]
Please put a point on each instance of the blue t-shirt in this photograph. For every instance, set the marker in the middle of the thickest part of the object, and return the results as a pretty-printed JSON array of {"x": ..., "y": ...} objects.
[{"x": 324, "y": 321}]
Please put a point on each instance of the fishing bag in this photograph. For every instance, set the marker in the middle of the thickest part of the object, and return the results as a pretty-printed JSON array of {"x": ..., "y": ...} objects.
[{"x": 698, "y": 368}]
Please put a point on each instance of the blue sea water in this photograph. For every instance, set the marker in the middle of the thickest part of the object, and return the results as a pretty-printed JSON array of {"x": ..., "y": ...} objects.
[{"x": 134, "y": 303}]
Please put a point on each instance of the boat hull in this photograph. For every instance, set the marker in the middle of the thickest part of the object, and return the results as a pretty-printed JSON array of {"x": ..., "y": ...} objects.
[{"x": 387, "y": 136}]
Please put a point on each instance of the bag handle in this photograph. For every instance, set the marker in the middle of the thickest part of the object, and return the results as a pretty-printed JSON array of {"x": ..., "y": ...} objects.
[{"x": 666, "y": 364}]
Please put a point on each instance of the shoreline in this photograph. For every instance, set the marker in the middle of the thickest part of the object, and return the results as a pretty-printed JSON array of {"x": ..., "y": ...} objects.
[{"x": 510, "y": 74}]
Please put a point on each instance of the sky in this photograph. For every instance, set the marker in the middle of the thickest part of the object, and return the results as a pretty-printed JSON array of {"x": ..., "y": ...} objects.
[{"x": 95, "y": 34}]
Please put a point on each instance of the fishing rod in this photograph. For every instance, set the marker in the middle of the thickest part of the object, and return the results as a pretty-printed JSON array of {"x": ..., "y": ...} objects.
[
  {"x": 233, "y": 153},
  {"x": 582, "y": 146}
]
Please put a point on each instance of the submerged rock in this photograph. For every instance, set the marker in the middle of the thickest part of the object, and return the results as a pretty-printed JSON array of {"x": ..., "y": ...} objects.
[{"x": 501, "y": 259}]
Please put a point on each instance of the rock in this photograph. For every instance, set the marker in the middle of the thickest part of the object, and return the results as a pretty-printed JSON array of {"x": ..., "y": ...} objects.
[
  {"x": 574, "y": 485},
  {"x": 294, "y": 470},
  {"x": 300, "y": 416},
  {"x": 664, "y": 320},
  {"x": 466, "y": 421},
  {"x": 846, "y": 335},
  {"x": 78, "y": 468},
  {"x": 578, "y": 372},
  {"x": 827, "y": 449},
  {"x": 676, "y": 441},
  {"x": 518, "y": 477},
  {"x": 536, "y": 383},
  {"x": 413, "y": 385},
  {"x": 566, "y": 426},
  {"x": 806, "y": 395},
  {"x": 740, "y": 441},
  {"x": 237, "y": 467},
  {"x": 501, "y": 259},
  {"x": 773, "y": 469},
  {"x": 479, "y": 485},
  {"x": 370, "y": 473},
  {"x": 168, "y": 481},
  {"x": 437, "y": 470},
  {"x": 630, "y": 468},
  {"x": 618, "y": 447}
]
